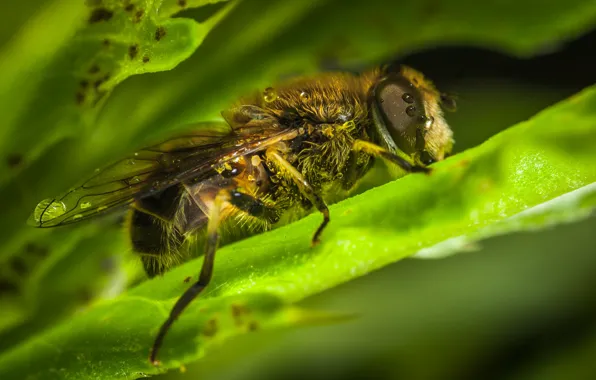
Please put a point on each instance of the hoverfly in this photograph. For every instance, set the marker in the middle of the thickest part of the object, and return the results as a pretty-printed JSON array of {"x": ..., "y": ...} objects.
[{"x": 285, "y": 151}]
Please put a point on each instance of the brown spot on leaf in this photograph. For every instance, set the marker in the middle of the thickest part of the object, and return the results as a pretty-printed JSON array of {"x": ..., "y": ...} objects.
[
  {"x": 187, "y": 279},
  {"x": 19, "y": 266},
  {"x": 133, "y": 51},
  {"x": 100, "y": 81},
  {"x": 14, "y": 160},
  {"x": 129, "y": 7},
  {"x": 106, "y": 42},
  {"x": 80, "y": 97},
  {"x": 100, "y": 14},
  {"x": 138, "y": 16},
  {"x": 210, "y": 328},
  {"x": 238, "y": 310},
  {"x": 8, "y": 287},
  {"x": 85, "y": 295},
  {"x": 84, "y": 83},
  {"x": 253, "y": 326},
  {"x": 182, "y": 3},
  {"x": 36, "y": 250},
  {"x": 94, "y": 69},
  {"x": 145, "y": 59},
  {"x": 160, "y": 33}
]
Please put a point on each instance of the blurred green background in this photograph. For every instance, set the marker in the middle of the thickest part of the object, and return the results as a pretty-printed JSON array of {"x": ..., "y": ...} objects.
[{"x": 520, "y": 306}]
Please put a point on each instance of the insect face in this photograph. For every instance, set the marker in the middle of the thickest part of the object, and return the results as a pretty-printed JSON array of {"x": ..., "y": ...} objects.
[{"x": 407, "y": 116}]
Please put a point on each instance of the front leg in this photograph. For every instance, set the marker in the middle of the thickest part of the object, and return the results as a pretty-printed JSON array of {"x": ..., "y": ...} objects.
[
  {"x": 288, "y": 170},
  {"x": 377, "y": 151}
]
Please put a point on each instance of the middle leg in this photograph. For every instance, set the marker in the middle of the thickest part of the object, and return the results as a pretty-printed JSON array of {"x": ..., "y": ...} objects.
[{"x": 305, "y": 189}]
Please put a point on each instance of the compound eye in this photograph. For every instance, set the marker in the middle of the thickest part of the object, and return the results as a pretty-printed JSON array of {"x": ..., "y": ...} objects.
[{"x": 401, "y": 108}]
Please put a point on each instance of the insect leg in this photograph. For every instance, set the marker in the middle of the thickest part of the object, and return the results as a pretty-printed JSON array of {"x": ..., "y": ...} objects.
[
  {"x": 359, "y": 163},
  {"x": 377, "y": 151},
  {"x": 305, "y": 189},
  {"x": 191, "y": 293}
]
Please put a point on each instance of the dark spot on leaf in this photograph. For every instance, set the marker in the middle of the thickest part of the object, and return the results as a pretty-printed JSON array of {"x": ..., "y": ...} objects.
[
  {"x": 160, "y": 33},
  {"x": 106, "y": 42},
  {"x": 84, "y": 83},
  {"x": 94, "y": 69},
  {"x": 133, "y": 51},
  {"x": 129, "y": 7},
  {"x": 100, "y": 14},
  {"x": 18, "y": 265},
  {"x": 210, "y": 328},
  {"x": 238, "y": 310},
  {"x": 138, "y": 16},
  {"x": 14, "y": 160},
  {"x": 187, "y": 279},
  {"x": 253, "y": 326},
  {"x": 182, "y": 3},
  {"x": 100, "y": 81},
  {"x": 36, "y": 250},
  {"x": 85, "y": 295},
  {"x": 8, "y": 287},
  {"x": 80, "y": 97},
  {"x": 145, "y": 58}
]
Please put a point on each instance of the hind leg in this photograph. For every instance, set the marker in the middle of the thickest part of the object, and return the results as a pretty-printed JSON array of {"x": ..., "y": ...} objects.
[{"x": 225, "y": 197}]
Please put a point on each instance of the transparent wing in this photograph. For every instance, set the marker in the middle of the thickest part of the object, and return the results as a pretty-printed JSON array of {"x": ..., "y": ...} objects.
[{"x": 151, "y": 170}]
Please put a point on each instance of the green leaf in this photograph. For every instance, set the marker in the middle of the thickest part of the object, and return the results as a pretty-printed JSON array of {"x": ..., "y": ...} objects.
[
  {"x": 516, "y": 170},
  {"x": 51, "y": 136},
  {"x": 88, "y": 54},
  {"x": 113, "y": 337},
  {"x": 33, "y": 273}
]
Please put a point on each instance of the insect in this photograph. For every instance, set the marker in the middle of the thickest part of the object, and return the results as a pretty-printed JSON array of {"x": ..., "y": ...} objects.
[{"x": 284, "y": 152}]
